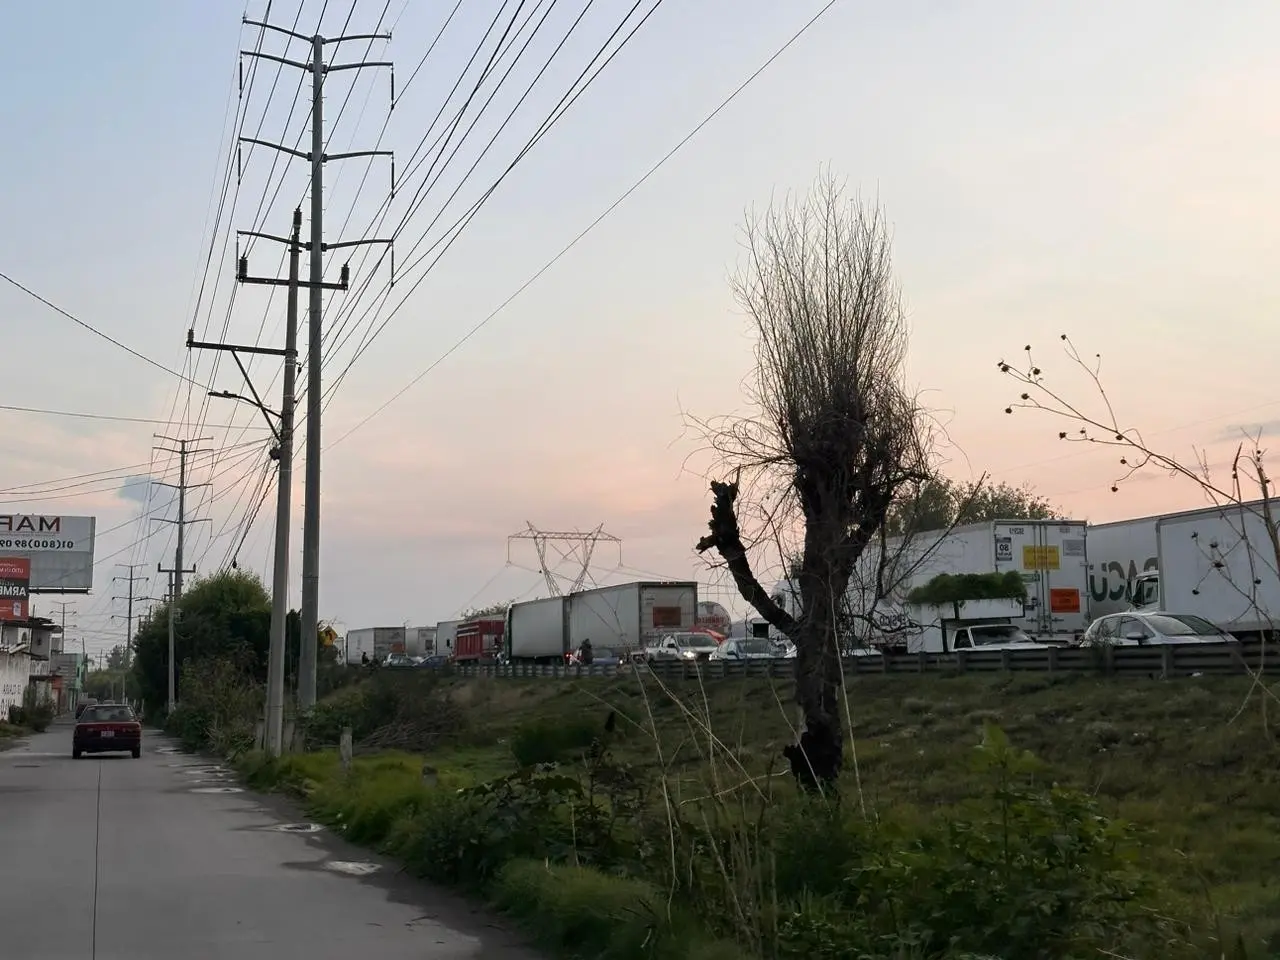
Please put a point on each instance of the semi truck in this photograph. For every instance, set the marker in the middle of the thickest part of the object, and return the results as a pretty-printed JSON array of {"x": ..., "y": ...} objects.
[
  {"x": 377, "y": 642},
  {"x": 1217, "y": 563},
  {"x": 623, "y": 618},
  {"x": 1049, "y": 555}
]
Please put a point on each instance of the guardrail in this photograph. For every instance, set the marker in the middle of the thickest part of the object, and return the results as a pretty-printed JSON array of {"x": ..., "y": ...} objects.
[{"x": 1166, "y": 660}]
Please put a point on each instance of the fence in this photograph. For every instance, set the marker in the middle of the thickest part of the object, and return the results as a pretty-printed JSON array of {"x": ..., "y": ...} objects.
[{"x": 1167, "y": 660}]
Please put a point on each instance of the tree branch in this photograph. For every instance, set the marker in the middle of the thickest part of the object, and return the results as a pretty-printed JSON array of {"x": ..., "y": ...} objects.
[{"x": 726, "y": 539}]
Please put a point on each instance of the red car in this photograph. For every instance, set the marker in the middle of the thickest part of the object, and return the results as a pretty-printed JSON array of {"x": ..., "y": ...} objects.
[{"x": 107, "y": 728}]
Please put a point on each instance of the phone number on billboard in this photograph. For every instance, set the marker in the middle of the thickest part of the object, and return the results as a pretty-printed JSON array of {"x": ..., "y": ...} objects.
[{"x": 12, "y": 544}]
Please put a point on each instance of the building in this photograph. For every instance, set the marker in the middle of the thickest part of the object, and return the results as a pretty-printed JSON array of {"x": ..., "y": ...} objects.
[{"x": 25, "y": 649}]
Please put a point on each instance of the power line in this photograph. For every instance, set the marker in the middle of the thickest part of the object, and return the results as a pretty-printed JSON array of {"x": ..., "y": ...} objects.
[
  {"x": 115, "y": 419},
  {"x": 94, "y": 330},
  {"x": 594, "y": 223}
]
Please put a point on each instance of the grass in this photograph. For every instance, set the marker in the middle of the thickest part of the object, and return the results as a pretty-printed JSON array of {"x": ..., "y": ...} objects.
[
  {"x": 10, "y": 732},
  {"x": 1178, "y": 759}
]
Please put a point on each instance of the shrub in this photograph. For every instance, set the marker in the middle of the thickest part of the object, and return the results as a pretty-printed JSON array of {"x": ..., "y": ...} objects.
[
  {"x": 219, "y": 709},
  {"x": 947, "y": 588},
  {"x": 552, "y": 742}
]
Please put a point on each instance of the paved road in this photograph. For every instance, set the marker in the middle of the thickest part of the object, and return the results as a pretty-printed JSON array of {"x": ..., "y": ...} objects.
[{"x": 121, "y": 859}]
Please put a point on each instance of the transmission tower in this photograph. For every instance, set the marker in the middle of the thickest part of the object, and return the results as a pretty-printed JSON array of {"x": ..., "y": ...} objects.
[{"x": 573, "y": 547}]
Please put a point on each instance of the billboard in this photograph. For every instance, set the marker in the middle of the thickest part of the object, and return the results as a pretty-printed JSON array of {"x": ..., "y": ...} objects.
[
  {"x": 15, "y": 577},
  {"x": 60, "y": 550}
]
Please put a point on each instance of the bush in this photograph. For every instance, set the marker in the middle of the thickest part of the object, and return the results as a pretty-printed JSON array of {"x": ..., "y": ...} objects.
[
  {"x": 220, "y": 707},
  {"x": 548, "y": 742},
  {"x": 579, "y": 909},
  {"x": 403, "y": 710},
  {"x": 948, "y": 588},
  {"x": 37, "y": 713}
]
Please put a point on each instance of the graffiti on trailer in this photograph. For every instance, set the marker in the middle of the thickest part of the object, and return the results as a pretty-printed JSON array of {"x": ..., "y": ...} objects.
[
  {"x": 898, "y": 623},
  {"x": 1110, "y": 581}
]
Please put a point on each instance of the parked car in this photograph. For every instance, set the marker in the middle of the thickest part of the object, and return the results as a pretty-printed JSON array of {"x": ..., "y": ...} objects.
[
  {"x": 107, "y": 728},
  {"x": 746, "y": 648},
  {"x": 1133, "y": 629},
  {"x": 436, "y": 661},
  {"x": 679, "y": 646},
  {"x": 996, "y": 636},
  {"x": 399, "y": 660}
]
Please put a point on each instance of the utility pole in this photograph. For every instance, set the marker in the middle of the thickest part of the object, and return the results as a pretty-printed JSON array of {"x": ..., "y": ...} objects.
[
  {"x": 178, "y": 570},
  {"x": 315, "y": 341},
  {"x": 128, "y": 620},
  {"x": 62, "y": 643},
  {"x": 283, "y": 454}
]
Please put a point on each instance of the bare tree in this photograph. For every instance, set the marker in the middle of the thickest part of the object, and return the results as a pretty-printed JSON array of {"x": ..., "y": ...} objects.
[
  {"x": 1247, "y": 492},
  {"x": 836, "y": 437}
]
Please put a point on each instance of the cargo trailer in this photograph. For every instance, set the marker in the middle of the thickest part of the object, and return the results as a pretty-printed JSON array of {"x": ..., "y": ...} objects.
[
  {"x": 420, "y": 641},
  {"x": 621, "y": 618},
  {"x": 479, "y": 638},
  {"x": 1217, "y": 563},
  {"x": 377, "y": 642},
  {"x": 446, "y": 637},
  {"x": 627, "y": 616},
  {"x": 538, "y": 630}
]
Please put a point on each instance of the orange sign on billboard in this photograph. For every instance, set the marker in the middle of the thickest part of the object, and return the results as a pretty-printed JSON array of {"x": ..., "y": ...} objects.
[{"x": 1064, "y": 600}]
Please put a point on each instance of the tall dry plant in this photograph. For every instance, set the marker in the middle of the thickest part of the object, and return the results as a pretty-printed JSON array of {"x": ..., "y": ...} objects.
[{"x": 836, "y": 437}]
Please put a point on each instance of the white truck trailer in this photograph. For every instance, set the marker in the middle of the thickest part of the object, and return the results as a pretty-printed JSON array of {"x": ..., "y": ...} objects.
[
  {"x": 1049, "y": 555},
  {"x": 420, "y": 641},
  {"x": 537, "y": 630},
  {"x": 627, "y": 616},
  {"x": 1217, "y": 563},
  {"x": 1119, "y": 553},
  {"x": 446, "y": 637},
  {"x": 621, "y": 618},
  {"x": 377, "y": 642}
]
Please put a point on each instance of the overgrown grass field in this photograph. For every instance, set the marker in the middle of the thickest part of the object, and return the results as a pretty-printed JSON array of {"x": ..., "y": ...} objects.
[{"x": 945, "y": 839}]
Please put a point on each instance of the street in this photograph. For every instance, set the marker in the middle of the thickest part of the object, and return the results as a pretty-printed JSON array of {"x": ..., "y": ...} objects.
[{"x": 111, "y": 858}]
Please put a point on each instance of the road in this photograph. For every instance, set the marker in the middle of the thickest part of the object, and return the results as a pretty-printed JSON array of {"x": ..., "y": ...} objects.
[{"x": 109, "y": 858}]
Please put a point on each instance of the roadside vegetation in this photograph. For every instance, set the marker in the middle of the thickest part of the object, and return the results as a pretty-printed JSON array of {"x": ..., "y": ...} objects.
[{"x": 1011, "y": 816}]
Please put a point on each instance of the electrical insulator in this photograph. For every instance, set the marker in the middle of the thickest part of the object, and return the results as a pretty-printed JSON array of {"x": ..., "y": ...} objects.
[
  {"x": 346, "y": 275},
  {"x": 243, "y": 273}
]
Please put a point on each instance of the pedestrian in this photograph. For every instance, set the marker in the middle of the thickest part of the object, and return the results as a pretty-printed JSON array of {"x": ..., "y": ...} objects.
[
  {"x": 364, "y": 658},
  {"x": 585, "y": 656}
]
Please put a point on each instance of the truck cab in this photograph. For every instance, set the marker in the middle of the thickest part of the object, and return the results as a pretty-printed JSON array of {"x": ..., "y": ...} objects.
[
  {"x": 1144, "y": 592},
  {"x": 992, "y": 636}
]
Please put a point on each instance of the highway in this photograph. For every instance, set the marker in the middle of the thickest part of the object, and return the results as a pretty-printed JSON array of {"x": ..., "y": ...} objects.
[{"x": 111, "y": 858}]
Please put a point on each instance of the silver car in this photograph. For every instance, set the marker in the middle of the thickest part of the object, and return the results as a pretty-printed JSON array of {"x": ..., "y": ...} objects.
[
  {"x": 1132, "y": 629},
  {"x": 746, "y": 648}
]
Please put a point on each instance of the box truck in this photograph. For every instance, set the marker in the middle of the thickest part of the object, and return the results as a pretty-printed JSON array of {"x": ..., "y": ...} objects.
[
  {"x": 1217, "y": 563},
  {"x": 1049, "y": 555}
]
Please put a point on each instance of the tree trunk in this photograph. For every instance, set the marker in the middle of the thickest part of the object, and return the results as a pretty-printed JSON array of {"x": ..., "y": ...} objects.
[{"x": 817, "y": 761}]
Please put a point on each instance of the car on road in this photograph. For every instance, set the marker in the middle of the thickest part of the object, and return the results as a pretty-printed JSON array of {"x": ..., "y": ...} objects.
[
  {"x": 747, "y": 648},
  {"x": 601, "y": 657},
  {"x": 1134, "y": 629},
  {"x": 678, "y": 646},
  {"x": 107, "y": 728}
]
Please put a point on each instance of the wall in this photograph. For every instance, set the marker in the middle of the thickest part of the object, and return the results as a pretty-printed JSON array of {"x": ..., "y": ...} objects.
[{"x": 14, "y": 670}]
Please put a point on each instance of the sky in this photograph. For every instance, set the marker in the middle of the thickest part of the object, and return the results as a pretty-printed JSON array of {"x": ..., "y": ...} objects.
[{"x": 1100, "y": 171}]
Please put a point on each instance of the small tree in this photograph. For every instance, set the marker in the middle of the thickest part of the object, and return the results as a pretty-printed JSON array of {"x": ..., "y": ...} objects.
[
  {"x": 837, "y": 435},
  {"x": 492, "y": 610}
]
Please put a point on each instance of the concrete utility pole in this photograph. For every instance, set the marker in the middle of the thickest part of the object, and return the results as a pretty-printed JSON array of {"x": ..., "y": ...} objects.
[
  {"x": 178, "y": 570},
  {"x": 62, "y": 605},
  {"x": 283, "y": 454},
  {"x": 128, "y": 619},
  {"x": 315, "y": 341}
]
